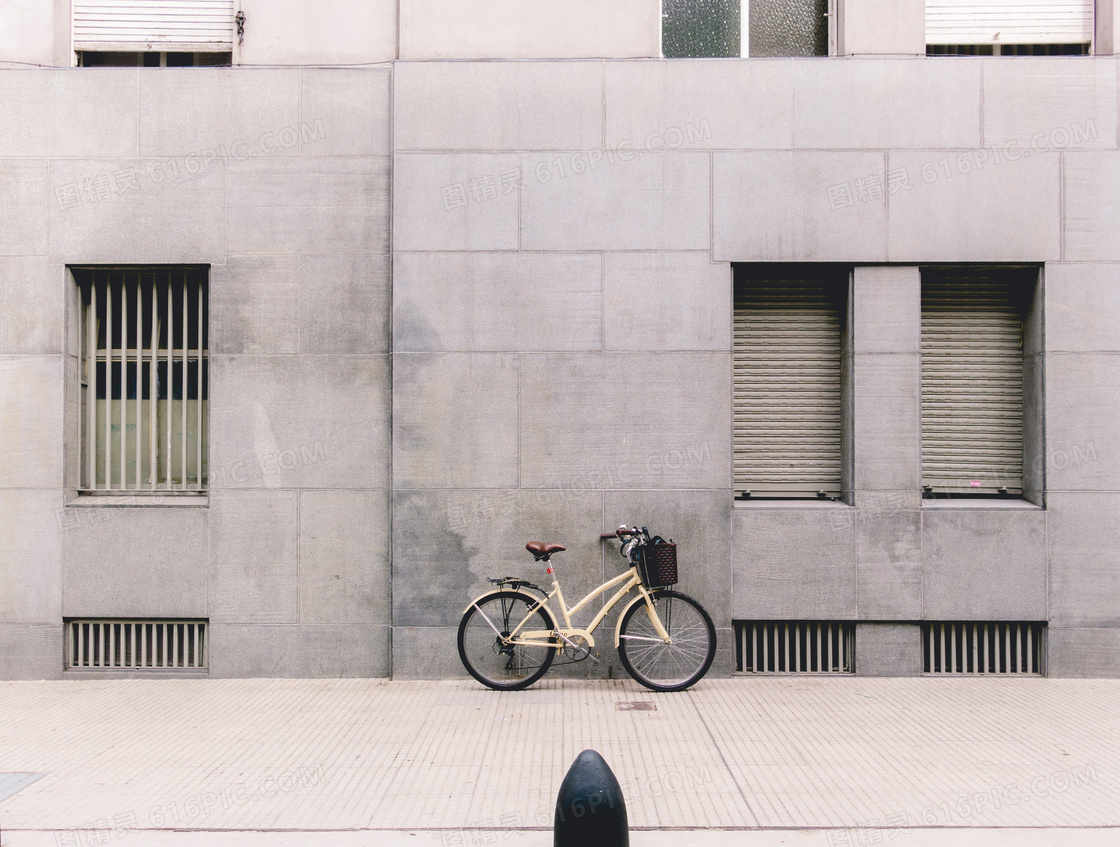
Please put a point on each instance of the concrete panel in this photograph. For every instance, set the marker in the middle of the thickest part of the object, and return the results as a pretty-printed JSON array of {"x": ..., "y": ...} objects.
[
  {"x": 651, "y": 202},
  {"x": 626, "y": 420},
  {"x": 497, "y": 301},
  {"x": 794, "y": 562},
  {"x": 1086, "y": 652},
  {"x": 299, "y": 422},
  {"x": 254, "y": 305},
  {"x": 456, "y": 201},
  {"x": 508, "y": 29},
  {"x": 119, "y": 211},
  {"x": 455, "y": 420},
  {"x": 326, "y": 32},
  {"x": 31, "y": 403},
  {"x": 1082, "y": 408},
  {"x": 32, "y": 309},
  {"x": 984, "y": 564},
  {"x": 1084, "y": 559},
  {"x": 353, "y": 108},
  {"x": 886, "y": 422},
  {"x": 30, "y": 557},
  {"x": 699, "y": 522},
  {"x": 344, "y": 304},
  {"x": 122, "y": 562},
  {"x": 888, "y": 649},
  {"x": 1091, "y": 183},
  {"x": 887, "y": 309},
  {"x": 426, "y": 652},
  {"x": 254, "y": 570},
  {"x": 344, "y": 557},
  {"x": 1004, "y": 212},
  {"x": 248, "y": 112},
  {"x": 782, "y": 206},
  {"x": 498, "y": 106},
  {"x": 24, "y": 198},
  {"x": 699, "y": 105},
  {"x": 888, "y": 558},
  {"x": 861, "y": 104},
  {"x": 28, "y": 33},
  {"x": 878, "y": 27},
  {"x": 308, "y": 652},
  {"x": 71, "y": 112},
  {"x": 1045, "y": 103},
  {"x": 319, "y": 206},
  {"x": 1082, "y": 308},
  {"x": 31, "y": 651},
  {"x": 447, "y": 543},
  {"x": 684, "y": 300}
]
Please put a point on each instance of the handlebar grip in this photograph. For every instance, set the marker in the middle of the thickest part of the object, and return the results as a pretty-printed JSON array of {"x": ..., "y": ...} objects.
[{"x": 604, "y": 536}]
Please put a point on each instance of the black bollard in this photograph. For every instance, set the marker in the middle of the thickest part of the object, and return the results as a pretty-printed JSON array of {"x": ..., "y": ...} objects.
[{"x": 590, "y": 808}]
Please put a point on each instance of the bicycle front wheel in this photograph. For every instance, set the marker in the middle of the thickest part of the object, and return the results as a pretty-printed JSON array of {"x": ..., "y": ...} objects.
[
  {"x": 689, "y": 653},
  {"x": 483, "y": 646}
]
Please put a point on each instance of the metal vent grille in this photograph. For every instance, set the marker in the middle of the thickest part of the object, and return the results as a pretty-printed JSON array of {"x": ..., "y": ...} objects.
[
  {"x": 794, "y": 646},
  {"x": 136, "y": 645},
  {"x": 978, "y": 648}
]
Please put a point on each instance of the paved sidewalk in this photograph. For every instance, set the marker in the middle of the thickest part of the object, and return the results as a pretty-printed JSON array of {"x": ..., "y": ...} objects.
[{"x": 768, "y": 760}]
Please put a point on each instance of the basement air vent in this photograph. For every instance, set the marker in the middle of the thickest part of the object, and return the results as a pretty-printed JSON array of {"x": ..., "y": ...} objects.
[
  {"x": 978, "y": 648},
  {"x": 794, "y": 646},
  {"x": 136, "y": 644}
]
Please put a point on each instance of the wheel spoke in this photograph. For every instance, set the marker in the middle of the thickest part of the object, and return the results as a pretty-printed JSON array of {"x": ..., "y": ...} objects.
[
  {"x": 674, "y": 665},
  {"x": 483, "y": 641}
]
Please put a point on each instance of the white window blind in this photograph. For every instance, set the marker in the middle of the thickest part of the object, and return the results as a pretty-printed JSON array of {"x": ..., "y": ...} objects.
[
  {"x": 1009, "y": 21},
  {"x": 190, "y": 25},
  {"x": 144, "y": 377},
  {"x": 787, "y": 385},
  {"x": 972, "y": 381}
]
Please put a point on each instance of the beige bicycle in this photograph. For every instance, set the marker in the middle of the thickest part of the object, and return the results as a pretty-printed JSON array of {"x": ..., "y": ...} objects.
[{"x": 508, "y": 638}]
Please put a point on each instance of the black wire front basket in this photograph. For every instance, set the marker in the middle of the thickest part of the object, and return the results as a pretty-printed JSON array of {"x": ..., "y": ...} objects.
[{"x": 657, "y": 564}]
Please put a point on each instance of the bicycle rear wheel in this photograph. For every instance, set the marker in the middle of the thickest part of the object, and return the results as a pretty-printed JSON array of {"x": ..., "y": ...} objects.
[
  {"x": 482, "y": 647},
  {"x": 678, "y": 664}
]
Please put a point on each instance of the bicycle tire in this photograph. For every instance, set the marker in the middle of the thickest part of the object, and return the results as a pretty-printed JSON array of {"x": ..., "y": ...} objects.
[
  {"x": 661, "y": 666},
  {"x": 508, "y": 668}
]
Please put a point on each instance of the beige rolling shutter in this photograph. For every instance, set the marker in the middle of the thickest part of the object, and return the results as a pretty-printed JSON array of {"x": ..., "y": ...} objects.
[
  {"x": 787, "y": 387},
  {"x": 173, "y": 25},
  {"x": 1009, "y": 22},
  {"x": 972, "y": 381}
]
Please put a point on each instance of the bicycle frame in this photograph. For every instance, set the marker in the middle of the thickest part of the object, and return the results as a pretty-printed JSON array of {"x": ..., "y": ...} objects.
[{"x": 547, "y": 638}]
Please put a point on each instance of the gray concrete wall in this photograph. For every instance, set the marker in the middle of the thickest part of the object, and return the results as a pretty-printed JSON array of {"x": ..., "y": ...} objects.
[
  {"x": 289, "y": 555},
  {"x": 545, "y": 29},
  {"x": 554, "y": 354},
  {"x": 318, "y": 32},
  {"x": 587, "y": 300}
]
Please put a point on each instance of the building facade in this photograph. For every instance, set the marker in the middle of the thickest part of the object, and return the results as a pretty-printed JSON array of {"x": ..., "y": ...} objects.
[{"x": 298, "y": 348}]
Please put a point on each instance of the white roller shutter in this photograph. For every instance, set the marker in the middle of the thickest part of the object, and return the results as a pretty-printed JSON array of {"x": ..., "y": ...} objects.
[
  {"x": 1009, "y": 22},
  {"x": 972, "y": 382},
  {"x": 787, "y": 400},
  {"x": 130, "y": 25}
]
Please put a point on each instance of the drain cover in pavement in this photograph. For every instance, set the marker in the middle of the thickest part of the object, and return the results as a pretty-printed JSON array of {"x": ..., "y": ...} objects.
[
  {"x": 10, "y": 783},
  {"x": 636, "y": 706}
]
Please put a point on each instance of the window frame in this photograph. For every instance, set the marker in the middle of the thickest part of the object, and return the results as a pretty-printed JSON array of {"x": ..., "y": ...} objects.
[{"x": 139, "y": 370}]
